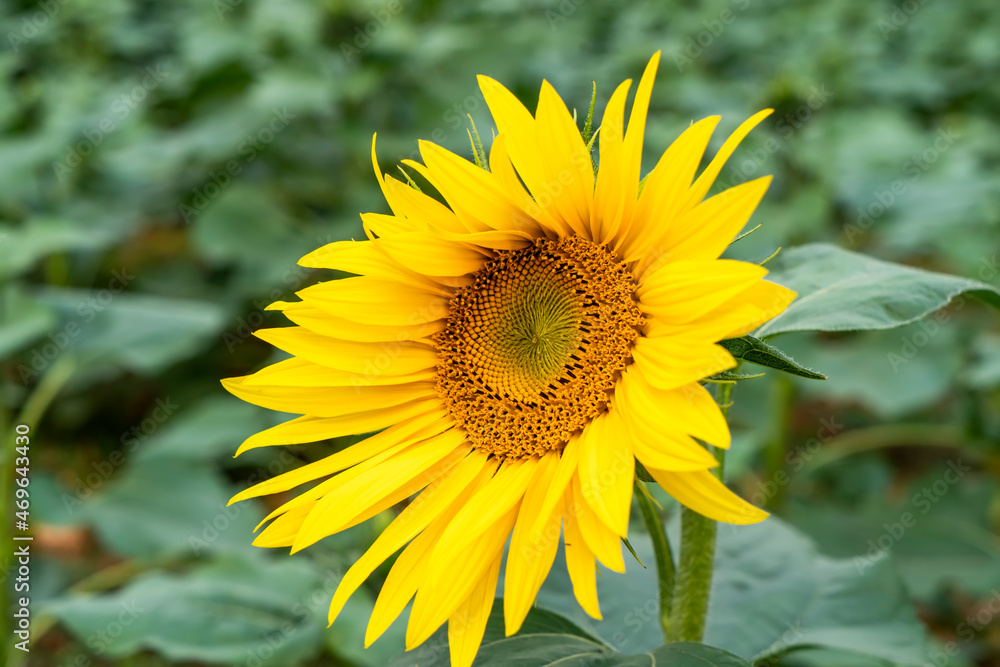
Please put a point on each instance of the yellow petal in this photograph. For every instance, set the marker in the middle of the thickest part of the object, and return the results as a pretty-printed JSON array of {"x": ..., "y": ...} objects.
[
  {"x": 352, "y": 498},
  {"x": 569, "y": 460},
  {"x": 399, "y": 435},
  {"x": 682, "y": 291},
  {"x": 313, "y": 429},
  {"x": 298, "y": 372},
  {"x": 376, "y": 301},
  {"x": 748, "y": 310},
  {"x": 735, "y": 317},
  {"x": 600, "y": 539},
  {"x": 607, "y": 470},
  {"x": 611, "y": 187},
  {"x": 507, "y": 178},
  {"x": 689, "y": 408},
  {"x": 569, "y": 172},
  {"x": 516, "y": 124},
  {"x": 408, "y": 202},
  {"x": 664, "y": 189},
  {"x": 581, "y": 565},
  {"x": 656, "y": 443},
  {"x": 364, "y": 259},
  {"x": 282, "y": 531},
  {"x": 318, "y": 321},
  {"x": 467, "y": 625},
  {"x": 473, "y": 192},
  {"x": 484, "y": 509},
  {"x": 329, "y": 401},
  {"x": 532, "y": 549},
  {"x": 707, "y": 177},
  {"x": 431, "y": 255},
  {"x": 451, "y": 577},
  {"x": 286, "y": 527},
  {"x": 706, "y": 230},
  {"x": 365, "y": 360},
  {"x": 670, "y": 362},
  {"x": 702, "y": 492},
  {"x": 454, "y": 487},
  {"x": 406, "y": 575},
  {"x": 632, "y": 150}
]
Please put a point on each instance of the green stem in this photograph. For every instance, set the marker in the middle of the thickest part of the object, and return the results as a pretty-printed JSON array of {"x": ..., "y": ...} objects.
[
  {"x": 777, "y": 445},
  {"x": 661, "y": 548},
  {"x": 694, "y": 577}
]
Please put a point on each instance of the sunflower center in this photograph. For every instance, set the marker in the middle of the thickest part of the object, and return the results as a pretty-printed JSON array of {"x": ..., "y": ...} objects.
[{"x": 534, "y": 346}]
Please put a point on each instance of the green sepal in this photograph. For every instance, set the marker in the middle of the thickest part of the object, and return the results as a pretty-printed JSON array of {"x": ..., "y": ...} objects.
[
  {"x": 642, "y": 473},
  {"x": 758, "y": 352},
  {"x": 731, "y": 377},
  {"x": 632, "y": 551}
]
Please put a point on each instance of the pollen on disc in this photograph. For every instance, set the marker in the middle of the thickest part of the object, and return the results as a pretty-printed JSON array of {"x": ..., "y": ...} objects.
[{"x": 534, "y": 346}]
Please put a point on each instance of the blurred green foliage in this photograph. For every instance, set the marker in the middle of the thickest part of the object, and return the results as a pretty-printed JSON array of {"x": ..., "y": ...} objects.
[{"x": 164, "y": 165}]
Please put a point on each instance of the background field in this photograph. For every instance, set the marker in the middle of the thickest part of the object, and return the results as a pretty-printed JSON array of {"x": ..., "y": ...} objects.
[{"x": 164, "y": 165}]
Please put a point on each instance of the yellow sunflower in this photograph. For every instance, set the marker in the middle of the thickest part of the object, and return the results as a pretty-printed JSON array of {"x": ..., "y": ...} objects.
[{"x": 516, "y": 350}]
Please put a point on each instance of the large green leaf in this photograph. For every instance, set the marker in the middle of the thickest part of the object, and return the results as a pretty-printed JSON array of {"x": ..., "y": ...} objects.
[
  {"x": 939, "y": 541},
  {"x": 22, "y": 321},
  {"x": 840, "y": 290},
  {"x": 21, "y": 247},
  {"x": 213, "y": 428},
  {"x": 546, "y": 638},
  {"x": 162, "y": 507},
  {"x": 772, "y": 592},
  {"x": 243, "y": 612},
  {"x": 140, "y": 332}
]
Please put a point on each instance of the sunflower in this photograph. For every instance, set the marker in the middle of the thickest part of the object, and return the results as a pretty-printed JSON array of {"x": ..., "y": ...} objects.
[{"x": 515, "y": 351}]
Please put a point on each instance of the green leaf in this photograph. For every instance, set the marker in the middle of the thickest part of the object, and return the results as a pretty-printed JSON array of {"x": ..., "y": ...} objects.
[
  {"x": 642, "y": 473},
  {"x": 23, "y": 320},
  {"x": 21, "y": 247},
  {"x": 840, "y": 290},
  {"x": 546, "y": 638},
  {"x": 772, "y": 592},
  {"x": 140, "y": 332},
  {"x": 163, "y": 507},
  {"x": 231, "y": 612},
  {"x": 213, "y": 428},
  {"x": 758, "y": 352},
  {"x": 345, "y": 637}
]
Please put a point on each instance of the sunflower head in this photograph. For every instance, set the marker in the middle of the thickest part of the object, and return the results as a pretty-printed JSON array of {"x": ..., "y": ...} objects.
[{"x": 516, "y": 344}]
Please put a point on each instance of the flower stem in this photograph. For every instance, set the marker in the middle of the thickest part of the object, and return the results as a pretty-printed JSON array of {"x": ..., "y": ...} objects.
[
  {"x": 694, "y": 578},
  {"x": 661, "y": 548}
]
